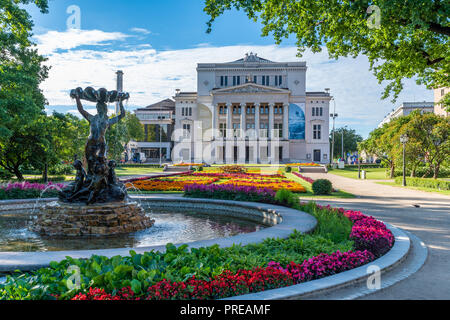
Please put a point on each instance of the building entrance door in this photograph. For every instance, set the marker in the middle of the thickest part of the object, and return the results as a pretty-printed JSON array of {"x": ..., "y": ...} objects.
[
  {"x": 247, "y": 154},
  {"x": 317, "y": 156}
]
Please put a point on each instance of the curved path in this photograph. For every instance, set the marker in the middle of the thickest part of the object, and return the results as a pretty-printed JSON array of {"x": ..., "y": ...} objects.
[{"x": 397, "y": 206}]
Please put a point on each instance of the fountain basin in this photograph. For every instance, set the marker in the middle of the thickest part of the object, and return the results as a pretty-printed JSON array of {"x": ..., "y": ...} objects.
[{"x": 58, "y": 219}]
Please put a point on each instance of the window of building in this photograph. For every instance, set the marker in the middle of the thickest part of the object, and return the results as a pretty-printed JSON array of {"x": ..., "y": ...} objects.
[
  {"x": 190, "y": 112},
  {"x": 442, "y": 92},
  {"x": 186, "y": 130},
  {"x": 255, "y": 79},
  {"x": 317, "y": 111},
  {"x": 278, "y": 80},
  {"x": 278, "y": 130},
  {"x": 223, "y": 129},
  {"x": 250, "y": 126},
  {"x": 265, "y": 80},
  {"x": 236, "y": 80},
  {"x": 236, "y": 131},
  {"x": 182, "y": 112},
  {"x": 317, "y": 132}
]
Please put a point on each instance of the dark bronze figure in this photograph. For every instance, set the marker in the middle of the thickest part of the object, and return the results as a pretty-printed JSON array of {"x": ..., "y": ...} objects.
[{"x": 100, "y": 184}]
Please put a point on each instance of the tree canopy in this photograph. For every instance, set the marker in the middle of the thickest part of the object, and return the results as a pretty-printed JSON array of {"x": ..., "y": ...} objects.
[
  {"x": 428, "y": 142},
  {"x": 21, "y": 72},
  {"x": 351, "y": 140},
  {"x": 409, "y": 38}
]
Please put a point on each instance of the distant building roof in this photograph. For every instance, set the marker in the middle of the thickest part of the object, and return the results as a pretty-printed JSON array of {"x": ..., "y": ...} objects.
[{"x": 167, "y": 104}]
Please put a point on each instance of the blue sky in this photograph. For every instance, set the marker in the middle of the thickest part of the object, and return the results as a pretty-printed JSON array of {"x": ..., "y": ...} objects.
[{"x": 159, "y": 43}]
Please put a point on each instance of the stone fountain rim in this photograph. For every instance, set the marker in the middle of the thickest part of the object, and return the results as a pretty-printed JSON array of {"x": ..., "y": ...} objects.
[{"x": 291, "y": 220}]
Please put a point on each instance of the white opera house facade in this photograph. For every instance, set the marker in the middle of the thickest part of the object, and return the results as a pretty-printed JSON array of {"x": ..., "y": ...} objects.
[{"x": 251, "y": 111}]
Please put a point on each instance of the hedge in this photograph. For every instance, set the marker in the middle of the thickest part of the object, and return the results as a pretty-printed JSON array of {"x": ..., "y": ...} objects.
[{"x": 425, "y": 183}]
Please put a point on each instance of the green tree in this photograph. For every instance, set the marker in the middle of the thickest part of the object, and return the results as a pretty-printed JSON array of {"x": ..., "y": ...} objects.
[
  {"x": 380, "y": 144},
  {"x": 411, "y": 39},
  {"x": 60, "y": 138},
  {"x": 431, "y": 133},
  {"x": 130, "y": 128},
  {"x": 428, "y": 142},
  {"x": 21, "y": 72},
  {"x": 351, "y": 140}
]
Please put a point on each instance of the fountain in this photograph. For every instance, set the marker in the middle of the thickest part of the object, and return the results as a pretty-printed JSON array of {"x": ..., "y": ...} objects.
[{"x": 96, "y": 203}]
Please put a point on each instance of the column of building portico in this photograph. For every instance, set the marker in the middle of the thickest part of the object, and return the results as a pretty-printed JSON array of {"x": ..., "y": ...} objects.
[
  {"x": 241, "y": 141},
  {"x": 286, "y": 122},
  {"x": 270, "y": 134},
  {"x": 229, "y": 140},
  {"x": 257, "y": 128},
  {"x": 216, "y": 134}
]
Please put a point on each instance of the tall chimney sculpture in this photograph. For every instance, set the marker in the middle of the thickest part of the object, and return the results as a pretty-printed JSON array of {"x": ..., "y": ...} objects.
[{"x": 119, "y": 88}]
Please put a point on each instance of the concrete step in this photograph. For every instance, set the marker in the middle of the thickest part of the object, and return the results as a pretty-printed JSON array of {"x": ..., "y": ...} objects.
[{"x": 321, "y": 169}]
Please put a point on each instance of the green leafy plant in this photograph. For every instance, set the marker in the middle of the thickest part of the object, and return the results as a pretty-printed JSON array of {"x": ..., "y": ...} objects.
[
  {"x": 286, "y": 198},
  {"x": 322, "y": 187}
]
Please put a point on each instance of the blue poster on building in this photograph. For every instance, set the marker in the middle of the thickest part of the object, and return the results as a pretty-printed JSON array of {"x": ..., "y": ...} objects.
[{"x": 297, "y": 121}]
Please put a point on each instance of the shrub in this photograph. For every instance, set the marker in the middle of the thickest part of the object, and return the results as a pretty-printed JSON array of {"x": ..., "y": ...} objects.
[
  {"x": 286, "y": 197},
  {"x": 200, "y": 168},
  {"x": 288, "y": 169},
  {"x": 5, "y": 175},
  {"x": 61, "y": 169},
  {"x": 322, "y": 187},
  {"x": 26, "y": 190},
  {"x": 425, "y": 183}
]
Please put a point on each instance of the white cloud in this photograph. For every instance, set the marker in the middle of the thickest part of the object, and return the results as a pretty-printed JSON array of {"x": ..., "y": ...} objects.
[
  {"x": 140, "y": 30},
  {"x": 52, "y": 41},
  {"x": 152, "y": 75}
]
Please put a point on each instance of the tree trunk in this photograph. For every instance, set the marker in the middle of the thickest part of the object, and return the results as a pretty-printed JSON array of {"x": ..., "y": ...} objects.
[
  {"x": 413, "y": 173},
  {"x": 18, "y": 174},
  {"x": 392, "y": 171},
  {"x": 45, "y": 173},
  {"x": 436, "y": 171}
]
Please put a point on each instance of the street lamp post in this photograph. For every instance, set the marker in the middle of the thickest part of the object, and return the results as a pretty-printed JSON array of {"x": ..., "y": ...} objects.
[
  {"x": 404, "y": 140},
  {"x": 334, "y": 115}
]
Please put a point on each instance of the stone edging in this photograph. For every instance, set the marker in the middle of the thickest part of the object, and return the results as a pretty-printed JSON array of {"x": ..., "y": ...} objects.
[
  {"x": 290, "y": 220},
  {"x": 391, "y": 259}
]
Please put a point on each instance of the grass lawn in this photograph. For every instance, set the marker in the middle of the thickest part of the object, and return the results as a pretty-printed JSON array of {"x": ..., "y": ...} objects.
[
  {"x": 131, "y": 171},
  {"x": 310, "y": 194},
  {"x": 352, "y": 172},
  {"x": 445, "y": 192}
]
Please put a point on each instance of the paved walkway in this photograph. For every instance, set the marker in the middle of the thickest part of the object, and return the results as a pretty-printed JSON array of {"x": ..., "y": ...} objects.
[{"x": 430, "y": 222}]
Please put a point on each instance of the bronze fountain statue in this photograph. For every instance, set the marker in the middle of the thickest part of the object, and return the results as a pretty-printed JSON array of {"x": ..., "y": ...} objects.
[
  {"x": 96, "y": 203},
  {"x": 99, "y": 184}
]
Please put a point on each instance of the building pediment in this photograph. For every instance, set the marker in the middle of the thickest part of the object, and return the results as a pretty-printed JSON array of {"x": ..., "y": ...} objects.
[{"x": 250, "y": 88}]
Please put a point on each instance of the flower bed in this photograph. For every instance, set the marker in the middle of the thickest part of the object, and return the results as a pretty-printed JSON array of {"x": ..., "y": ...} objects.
[
  {"x": 176, "y": 183},
  {"x": 188, "y": 165},
  {"x": 27, "y": 190},
  {"x": 307, "y": 179},
  {"x": 303, "y": 165},
  {"x": 213, "y": 272},
  {"x": 230, "y": 192}
]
